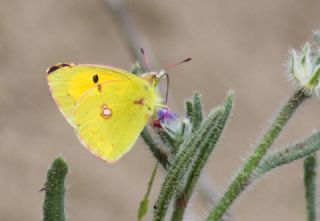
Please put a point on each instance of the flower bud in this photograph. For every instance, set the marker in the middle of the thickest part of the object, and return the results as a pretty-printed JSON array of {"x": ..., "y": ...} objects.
[{"x": 305, "y": 68}]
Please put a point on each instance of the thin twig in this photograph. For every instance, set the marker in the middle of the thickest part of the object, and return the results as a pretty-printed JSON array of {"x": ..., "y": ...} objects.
[{"x": 135, "y": 41}]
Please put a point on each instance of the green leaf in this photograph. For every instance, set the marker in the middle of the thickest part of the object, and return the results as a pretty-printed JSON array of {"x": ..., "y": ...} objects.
[
  {"x": 197, "y": 111},
  {"x": 143, "y": 208},
  {"x": 168, "y": 138},
  {"x": 189, "y": 110}
]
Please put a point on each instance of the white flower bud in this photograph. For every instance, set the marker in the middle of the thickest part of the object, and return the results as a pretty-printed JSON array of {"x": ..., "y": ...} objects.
[{"x": 305, "y": 68}]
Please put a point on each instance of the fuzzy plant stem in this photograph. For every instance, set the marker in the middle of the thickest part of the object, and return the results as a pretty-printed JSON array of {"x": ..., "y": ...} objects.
[
  {"x": 161, "y": 156},
  {"x": 287, "y": 155},
  {"x": 310, "y": 180},
  {"x": 175, "y": 172},
  {"x": 204, "y": 151},
  {"x": 53, "y": 207},
  {"x": 243, "y": 177}
]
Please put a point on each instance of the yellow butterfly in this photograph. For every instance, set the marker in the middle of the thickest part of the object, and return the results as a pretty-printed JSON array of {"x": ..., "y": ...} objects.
[{"x": 108, "y": 107}]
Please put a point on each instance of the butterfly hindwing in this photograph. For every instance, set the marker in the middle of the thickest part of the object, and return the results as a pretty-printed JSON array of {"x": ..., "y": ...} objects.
[{"x": 109, "y": 118}]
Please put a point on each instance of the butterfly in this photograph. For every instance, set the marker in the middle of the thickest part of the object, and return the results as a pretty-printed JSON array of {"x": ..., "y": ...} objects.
[{"x": 108, "y": 107}]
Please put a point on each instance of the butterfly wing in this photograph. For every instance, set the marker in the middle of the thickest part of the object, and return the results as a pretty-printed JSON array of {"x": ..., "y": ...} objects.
[
  {"x": 68, "y": 82},
  {"x": 110, "y": 117}
]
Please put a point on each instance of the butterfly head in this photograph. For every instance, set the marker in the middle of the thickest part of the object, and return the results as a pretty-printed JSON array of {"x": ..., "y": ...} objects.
[{"x": 154, "y": 77}]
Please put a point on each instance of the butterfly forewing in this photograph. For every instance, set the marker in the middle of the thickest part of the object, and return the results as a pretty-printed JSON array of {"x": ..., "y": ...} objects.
[{"x": 69, "y": 82}]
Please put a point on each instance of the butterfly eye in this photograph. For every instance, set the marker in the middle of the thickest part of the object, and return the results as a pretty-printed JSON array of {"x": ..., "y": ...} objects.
[{"x": 95, "y": 78}]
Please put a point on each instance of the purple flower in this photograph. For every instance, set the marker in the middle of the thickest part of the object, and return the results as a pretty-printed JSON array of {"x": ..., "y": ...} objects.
[{"x": 165, "y": 115}]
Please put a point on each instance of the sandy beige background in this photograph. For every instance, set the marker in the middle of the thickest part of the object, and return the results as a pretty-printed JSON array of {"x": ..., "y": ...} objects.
[{"x": 240, "y": 45}]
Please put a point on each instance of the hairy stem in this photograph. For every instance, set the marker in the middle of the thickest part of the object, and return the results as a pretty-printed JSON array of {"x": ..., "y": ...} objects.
[
  {"x": 204, "y": 151},
  {"x": 243, "y": 178},
  {"x": 53, "y": 207},
  {"x": 286, "y": 155},
  {"x": 161, "y": 156},
  {"x": 180, "y": 164},
  {"x": 310, "y": 180}
]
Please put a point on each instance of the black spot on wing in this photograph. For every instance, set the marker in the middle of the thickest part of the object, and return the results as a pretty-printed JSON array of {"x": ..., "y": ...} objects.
[
  {"x": 95, "y": 78},
  {"x": 58, "y": 66}
]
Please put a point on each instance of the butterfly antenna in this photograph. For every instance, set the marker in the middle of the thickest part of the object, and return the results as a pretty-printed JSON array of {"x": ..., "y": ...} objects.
[
  {"x": 176, "y": 64},
  {"x": 167, "y": 76},
  {"x": 167, "y": 90},
  {"x": 145, "y": 59}
]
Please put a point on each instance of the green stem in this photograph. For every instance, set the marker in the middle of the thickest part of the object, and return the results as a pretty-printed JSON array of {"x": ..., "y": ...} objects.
[
  {"x": 53, "y": 207},
  {"x": 286, "y": 155},
  {"x": 161, "y": 156},
  {"x": 144, "y": 204},
  {"x": 243, "y": 178},
  {"x": 310, "y": 180}
]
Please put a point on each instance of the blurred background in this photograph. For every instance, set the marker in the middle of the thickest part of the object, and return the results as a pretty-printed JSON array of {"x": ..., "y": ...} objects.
[{"x": 239, "y": 45}]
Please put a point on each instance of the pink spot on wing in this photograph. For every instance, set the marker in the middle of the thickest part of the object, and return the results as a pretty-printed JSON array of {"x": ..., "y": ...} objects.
[{"x": 106, "y": 112}]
